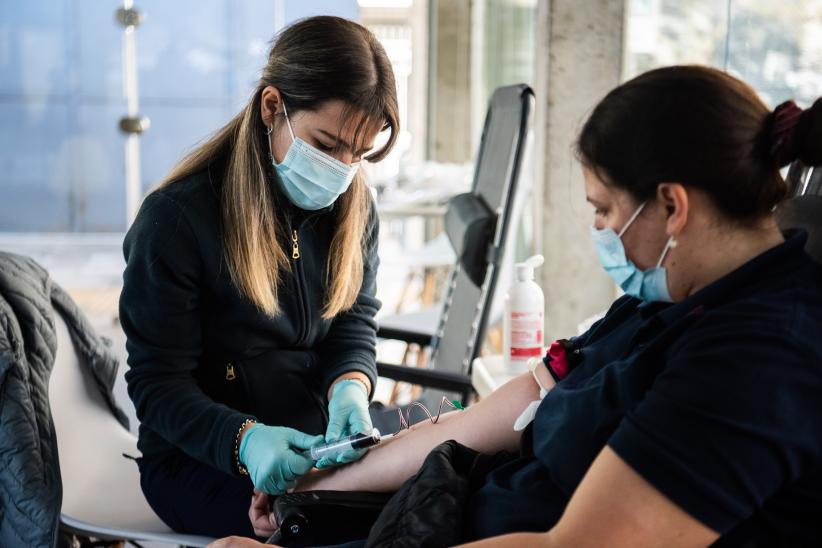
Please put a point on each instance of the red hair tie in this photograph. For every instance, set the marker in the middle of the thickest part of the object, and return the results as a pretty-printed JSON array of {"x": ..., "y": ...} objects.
[{"x": 785, "y": 118}]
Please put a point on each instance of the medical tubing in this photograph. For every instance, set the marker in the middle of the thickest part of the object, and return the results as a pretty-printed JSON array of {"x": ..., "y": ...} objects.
[{"x": 405, "y": 420}]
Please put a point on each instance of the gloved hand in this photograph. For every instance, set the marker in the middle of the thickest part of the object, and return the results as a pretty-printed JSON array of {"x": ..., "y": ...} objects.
[
  {"x": 271, "y": 454},
  {"x": 347, "y": 415}
]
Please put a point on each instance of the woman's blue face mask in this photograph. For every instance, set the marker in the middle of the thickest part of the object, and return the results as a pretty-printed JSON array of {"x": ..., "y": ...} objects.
[
  {"x": 309, "y": 177},
  {"x": 648, "y": 285}
]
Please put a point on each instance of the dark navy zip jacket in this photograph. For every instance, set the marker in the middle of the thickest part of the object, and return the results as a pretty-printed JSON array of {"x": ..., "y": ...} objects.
[{"x": 202, "y": 357}]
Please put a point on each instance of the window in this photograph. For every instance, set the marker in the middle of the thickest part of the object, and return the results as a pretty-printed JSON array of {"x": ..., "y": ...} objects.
[
  {"x": 774, "y": 46},
  {"x": 62, "y": 159}
]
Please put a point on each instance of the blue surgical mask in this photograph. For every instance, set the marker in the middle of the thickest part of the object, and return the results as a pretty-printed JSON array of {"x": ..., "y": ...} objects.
[
  {"x": 649, "y": 285},
  {"x": 309, "y": 177}
]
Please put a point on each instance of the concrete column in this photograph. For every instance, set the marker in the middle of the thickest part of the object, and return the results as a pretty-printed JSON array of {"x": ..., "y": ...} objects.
[{"x": 579, "y": 59}]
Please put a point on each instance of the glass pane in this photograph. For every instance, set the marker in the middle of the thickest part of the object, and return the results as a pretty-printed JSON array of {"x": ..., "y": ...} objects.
[
  {"x": 670, "y": 32},
  {"x": 341, "y": 8},
  {"x": 37, "y": 151},
  {"x": 509, "y": 43},
  {"x": 98, "y": 172},
  {"x": 61, "y": 96},
  {"x": 182, "y": 49},
  {"x": 33, "y": 48},
  {"x": 98, "y": 38},
  {"x": 174, "y": 131},
  {"x": 778, "y": 50}
]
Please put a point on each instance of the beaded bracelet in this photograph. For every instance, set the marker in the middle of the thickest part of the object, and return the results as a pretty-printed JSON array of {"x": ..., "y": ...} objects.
[{"x": 242, "y": 469}]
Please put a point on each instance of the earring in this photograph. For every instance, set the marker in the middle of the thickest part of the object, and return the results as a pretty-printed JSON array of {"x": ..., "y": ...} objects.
[
  {"x": 674, "y": 243},
  {"x": 269, "y": 130}
]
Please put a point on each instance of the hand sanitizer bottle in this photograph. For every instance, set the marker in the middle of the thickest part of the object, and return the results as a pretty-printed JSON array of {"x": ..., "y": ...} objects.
[{"x": 524, "y": 320}]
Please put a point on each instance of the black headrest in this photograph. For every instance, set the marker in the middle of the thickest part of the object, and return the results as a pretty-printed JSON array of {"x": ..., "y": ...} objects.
[
  {"x": 804, "y": 212},
  {"x": 470, "y": 226}
]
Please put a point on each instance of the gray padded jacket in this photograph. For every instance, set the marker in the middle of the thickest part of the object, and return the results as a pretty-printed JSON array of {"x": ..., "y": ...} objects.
[{"x": 30, "y": 483}]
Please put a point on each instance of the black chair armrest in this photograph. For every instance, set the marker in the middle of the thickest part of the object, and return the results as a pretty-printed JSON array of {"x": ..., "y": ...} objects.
[
  {"x": 313, "y": 518},
  {"x": 431, "y": 378},
  {"x": 405, "y": 335}
]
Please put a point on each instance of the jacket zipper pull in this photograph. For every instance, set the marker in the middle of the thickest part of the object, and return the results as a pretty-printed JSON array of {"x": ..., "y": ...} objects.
[
  {"x": 295, "y": 248},
  {"x": 229, "y": 372}
]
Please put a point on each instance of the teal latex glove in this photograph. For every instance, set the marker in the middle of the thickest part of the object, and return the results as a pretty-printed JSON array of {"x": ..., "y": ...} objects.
[
  {"x": 272, "y": 456},
  {"x": 347, "y": 415}
]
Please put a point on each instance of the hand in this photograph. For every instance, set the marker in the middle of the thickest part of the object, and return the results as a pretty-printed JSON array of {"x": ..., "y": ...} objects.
[
  {"x": 348, "y": 414},
  {"x": 273, "y": 456},
  {"x": 262, "y": 519}
]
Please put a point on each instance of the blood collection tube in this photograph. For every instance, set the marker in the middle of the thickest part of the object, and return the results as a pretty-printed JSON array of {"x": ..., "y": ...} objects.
[{"x": 334, "y": 448}]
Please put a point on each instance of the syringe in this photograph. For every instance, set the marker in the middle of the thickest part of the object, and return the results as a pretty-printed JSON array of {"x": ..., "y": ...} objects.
[{"x": 331, "y": 449}]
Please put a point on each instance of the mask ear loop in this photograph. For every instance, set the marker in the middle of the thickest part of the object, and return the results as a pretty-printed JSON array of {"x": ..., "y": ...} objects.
[
  {"x": 672, "y": 243},
  {"x": 268, "y": 132},
  {"x": 288, "y": 121},
  {"x": 632, "y": 219}
]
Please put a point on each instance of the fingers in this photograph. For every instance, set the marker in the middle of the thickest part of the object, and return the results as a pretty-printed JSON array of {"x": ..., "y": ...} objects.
[
  {"x": 295, "y": 466},
  {"x": 335, "y": 427},
  {"x": 270, "y": 486},
  {"x": 354, "y": 421},
  {"x": 284, "y": 468},
  {"x": 259, "y": 505},
  {"x": 360, "y": 421},
  {"x": 303, "y": 441},
  {"x": 287, "y": 470},
  {"x": 285, "y": 486},
  {"x": 259, "y": 515}
]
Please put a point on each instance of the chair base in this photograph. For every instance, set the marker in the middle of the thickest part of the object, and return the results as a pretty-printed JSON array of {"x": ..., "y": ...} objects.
[{"x": 78, "y": 527}]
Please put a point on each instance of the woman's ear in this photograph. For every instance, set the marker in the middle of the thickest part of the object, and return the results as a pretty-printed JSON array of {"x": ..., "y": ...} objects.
[
  {"x": 271, "y": 104},
  {"x": 674, "y": 199}
]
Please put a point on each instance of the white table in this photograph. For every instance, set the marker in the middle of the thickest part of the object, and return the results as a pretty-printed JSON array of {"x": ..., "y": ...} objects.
[{"x": 489, "y": 373}]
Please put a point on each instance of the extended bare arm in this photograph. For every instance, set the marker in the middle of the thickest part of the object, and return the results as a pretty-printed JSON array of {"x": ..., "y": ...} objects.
[{"x": 486, "y": 426}]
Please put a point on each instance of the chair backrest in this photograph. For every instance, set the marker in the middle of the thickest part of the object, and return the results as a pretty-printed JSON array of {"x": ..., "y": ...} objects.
[
  {"x": 465, "y": 312},
  {"x": 803, "y": 208},
  {"x": 101, "y": 488}
]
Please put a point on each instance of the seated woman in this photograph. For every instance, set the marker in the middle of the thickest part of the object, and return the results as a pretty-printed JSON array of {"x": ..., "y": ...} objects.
[{"x": 688, "y": 415}]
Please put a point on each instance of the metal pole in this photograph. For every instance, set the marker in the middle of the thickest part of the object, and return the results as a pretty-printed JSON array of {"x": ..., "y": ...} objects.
[{"x": 132, "y": 124}]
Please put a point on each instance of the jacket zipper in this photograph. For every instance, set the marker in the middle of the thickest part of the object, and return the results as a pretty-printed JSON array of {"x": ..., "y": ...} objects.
[
  {"x": 298, "y": 278},
  {"x": 295, "y": 245}
]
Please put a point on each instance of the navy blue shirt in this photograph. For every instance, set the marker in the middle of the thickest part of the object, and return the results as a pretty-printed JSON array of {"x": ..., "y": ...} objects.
[{"x": 716, "y": 401}]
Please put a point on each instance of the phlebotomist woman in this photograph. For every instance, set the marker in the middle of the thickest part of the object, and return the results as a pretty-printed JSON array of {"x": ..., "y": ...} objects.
[{"x": 249, "y": 292}]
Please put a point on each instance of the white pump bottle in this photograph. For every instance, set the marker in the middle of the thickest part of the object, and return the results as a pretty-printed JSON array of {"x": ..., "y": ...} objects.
[{"x": 524, "y": 321}]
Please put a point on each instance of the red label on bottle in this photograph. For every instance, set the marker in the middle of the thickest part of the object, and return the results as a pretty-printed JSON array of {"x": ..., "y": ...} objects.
[{"x": 534, "y": 352}]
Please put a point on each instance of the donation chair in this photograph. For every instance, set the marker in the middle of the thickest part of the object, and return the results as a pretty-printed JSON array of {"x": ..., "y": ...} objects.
[
  {"x": 478, "y": 224},
  {"x": 803, "y": 207},
  {"x": 101, "y": 487}
]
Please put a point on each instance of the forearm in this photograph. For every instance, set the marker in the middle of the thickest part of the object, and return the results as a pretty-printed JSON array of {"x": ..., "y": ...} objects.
[{"x": 486, "y": 427}]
